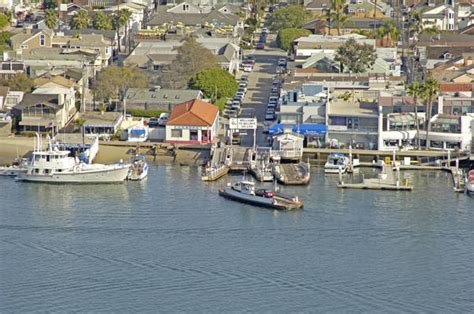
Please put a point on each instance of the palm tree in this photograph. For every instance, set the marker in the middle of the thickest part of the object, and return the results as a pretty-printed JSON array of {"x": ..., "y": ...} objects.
[
  {"x": 102, "y": 21},
  {"x": 51, "y": 18},
  {"x": 415, "y": 24},
  {"x": 392, "y": 31},
  {"x": 120, "y": 20},
  {"x": 79, "y": 123},
  {"x": 416, "y": 90},
  {"x": 336, "y": 14},
  {"x": 80, "y": 20},
  {"x": 430, "y": 90}
]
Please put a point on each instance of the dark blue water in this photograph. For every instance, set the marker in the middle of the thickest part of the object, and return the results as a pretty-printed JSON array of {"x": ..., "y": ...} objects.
[{"x": 172, "y": 244}]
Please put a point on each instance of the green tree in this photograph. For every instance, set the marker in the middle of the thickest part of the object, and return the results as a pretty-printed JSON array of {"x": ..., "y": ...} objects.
[
  {"x": 112, "y": 80},
  {"x": 292, "y": 16},
  {"x": 4, "y": 38},
  {"x": 19, "y": 82},
  {"x": 355, "y": 57},
  {"x": 287, "y": 35},
  {"x": 430, "y": 90},
  {"x": 51, "y": 18},
  {"x": 4, "y": 21},
  {"x": 102, "y": 21},
  {"x": 215, "y": 83},
  {"x": 191, "y": 59},
  {"x": 415, "y": 90},
  {"x": 80, "y": 20}
]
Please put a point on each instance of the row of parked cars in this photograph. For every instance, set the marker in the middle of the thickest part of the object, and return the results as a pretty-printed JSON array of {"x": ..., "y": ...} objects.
[
  {"x": 232, "y": 108},
  {"x": 273, "y": 100}
]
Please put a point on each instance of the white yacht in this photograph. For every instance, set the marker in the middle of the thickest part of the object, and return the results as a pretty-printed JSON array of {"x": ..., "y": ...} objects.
[
  {"x": 56, "y": 166},
  {"x": 336, "y": 163}
]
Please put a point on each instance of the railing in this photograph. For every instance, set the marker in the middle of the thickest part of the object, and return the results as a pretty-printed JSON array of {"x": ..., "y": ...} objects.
[{"x": 294, "y": 153}]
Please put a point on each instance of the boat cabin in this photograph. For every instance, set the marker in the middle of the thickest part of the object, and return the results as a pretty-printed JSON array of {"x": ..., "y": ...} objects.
[
  {"x": 47, "y": 162},
  {"x": 246, "y": 187}
]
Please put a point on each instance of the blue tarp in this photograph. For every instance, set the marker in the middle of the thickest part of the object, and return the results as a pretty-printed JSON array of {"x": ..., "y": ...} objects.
[{"x": 317, "y": 129}]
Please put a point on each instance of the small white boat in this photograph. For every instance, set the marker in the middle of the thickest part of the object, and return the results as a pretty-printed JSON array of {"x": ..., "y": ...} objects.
[
  {"x": 138, "y": 169},
  {"x": 336, "y": 163},
  {"x": 469, "y": 184},
  {"x": 14, "y": 170},
  {"x": 56, "y": 166}
]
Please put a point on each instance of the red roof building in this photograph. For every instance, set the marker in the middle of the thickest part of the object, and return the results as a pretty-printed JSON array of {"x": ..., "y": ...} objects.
[{"x": 193, "y": 122}]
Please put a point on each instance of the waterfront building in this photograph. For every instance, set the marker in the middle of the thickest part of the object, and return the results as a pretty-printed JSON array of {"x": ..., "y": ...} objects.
[
  {"x": 157, "y": 98},
  {"x": 193, "y": 122},
  {"x": 102, "y": 124}
]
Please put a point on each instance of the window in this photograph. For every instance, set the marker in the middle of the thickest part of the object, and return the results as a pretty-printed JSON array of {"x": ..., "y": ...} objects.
[
  {"x": 41, "y": 40},
  {"x": 353, "y": 123},
  {"x": 176, "y": 133}
]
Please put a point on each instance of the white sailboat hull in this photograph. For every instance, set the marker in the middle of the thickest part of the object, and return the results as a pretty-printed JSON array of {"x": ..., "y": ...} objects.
[{"x": 112, "y": 174}]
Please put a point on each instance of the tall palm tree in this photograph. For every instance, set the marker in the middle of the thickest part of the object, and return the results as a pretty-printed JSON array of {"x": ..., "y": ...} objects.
[
  {"x": 336, "y": 14},
  {"x": 51, "y": 18},
  {"x": 121, "y": 19},
  {"x": 430, "y": 90},
  {"x": 80, "y": 20},
  {"x": 416, "y": 91},
  {"x": 392, "y": 31}
]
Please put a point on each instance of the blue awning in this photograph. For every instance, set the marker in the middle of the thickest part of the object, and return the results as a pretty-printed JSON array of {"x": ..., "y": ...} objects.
[
  {"x": 137, "y": 132},
  {"x": 304, "y": 129}
]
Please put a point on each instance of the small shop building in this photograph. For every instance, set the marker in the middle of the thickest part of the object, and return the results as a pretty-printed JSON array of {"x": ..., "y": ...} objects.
[{"x": 193, "y": 122}]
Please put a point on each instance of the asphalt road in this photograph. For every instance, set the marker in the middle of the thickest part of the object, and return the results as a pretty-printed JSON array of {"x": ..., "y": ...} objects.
[{"x": 258, "y": 91}]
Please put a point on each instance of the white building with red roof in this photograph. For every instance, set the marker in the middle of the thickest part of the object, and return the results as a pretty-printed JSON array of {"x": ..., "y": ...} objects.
[{"x": 193, "y": 122}]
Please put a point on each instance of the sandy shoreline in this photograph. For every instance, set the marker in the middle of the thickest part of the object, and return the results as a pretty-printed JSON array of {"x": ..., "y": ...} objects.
[{"x": 12, "y": 147}]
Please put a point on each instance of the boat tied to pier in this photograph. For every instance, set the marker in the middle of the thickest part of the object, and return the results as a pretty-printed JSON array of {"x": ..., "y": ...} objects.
[
  {"x": 336, "y": 163},
  {"x": 14, "y": 170},
  {"x": 138, "y": 168},
  {"x": 245, "y": 192}
]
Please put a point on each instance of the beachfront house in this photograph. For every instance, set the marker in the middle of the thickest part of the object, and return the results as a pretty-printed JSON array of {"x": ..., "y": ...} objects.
[
  {"x": 193, "y": 122},
  {"x": 102, "y": 124}
]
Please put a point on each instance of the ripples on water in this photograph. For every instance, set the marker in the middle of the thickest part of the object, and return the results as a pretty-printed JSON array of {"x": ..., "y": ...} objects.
[{"x": 172, "y": 244}]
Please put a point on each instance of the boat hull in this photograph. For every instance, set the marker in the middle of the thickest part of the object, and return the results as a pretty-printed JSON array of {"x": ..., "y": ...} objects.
[{"x": 113, "y": 175}]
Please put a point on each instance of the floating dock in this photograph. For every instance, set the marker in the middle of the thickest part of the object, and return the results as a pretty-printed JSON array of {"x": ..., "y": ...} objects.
[
  {"x": 385, "y": 181},
  {"x": 293, "y": 173}
]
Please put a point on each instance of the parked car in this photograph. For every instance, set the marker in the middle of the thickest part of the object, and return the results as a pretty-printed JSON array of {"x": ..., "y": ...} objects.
[
  {"x": 163, "y": 119},
  {"x": 248, "y": 68},
  {"x": 260, "y": 46},
  {"x": 244, "y": 79},
  {"x": 275, "y": 89},
  {"x": 153, "y": 121},
  {"x": 282, "y": 62},
  {"x": 273, "y": 99},
  {"x": 269, "y": 117},
  {"x": 266, "y": 126},
  {"x": 271, "y": 105},
  {"x": 242, "y": 89},
  {"x": 265, "y": 30}
]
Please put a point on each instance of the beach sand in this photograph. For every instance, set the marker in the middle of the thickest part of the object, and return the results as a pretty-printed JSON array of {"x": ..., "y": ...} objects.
[{"x": 12, "y": 147}]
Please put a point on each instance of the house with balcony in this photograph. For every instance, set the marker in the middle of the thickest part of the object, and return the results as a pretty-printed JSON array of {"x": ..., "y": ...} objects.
[
  {"x": 193, "y": 122},
  {"x": 397, "y": 128},
  {"x": 449, "y": 132},
  {"x": 450, "y": 16},
  {"x": 44, "y": 112},
  {"x": 353, "y": 118}
]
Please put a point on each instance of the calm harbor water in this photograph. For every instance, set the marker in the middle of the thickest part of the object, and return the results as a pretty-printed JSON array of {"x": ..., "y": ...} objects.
[{"x": 172, "y": 244}]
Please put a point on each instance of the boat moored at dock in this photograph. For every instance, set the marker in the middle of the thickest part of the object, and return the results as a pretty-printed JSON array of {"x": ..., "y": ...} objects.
[
  {"x": 138, "y": 168},
  {"x": 56, "y": 166},
  {"x": 245, "y": 192},
  {"x": 336, "y": 163}
]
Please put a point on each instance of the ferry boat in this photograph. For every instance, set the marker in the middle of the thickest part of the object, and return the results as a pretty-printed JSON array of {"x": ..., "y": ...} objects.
[
  {"x": 56, "y": 166},
  {"x": 292, "y": 173},
  {"x": 336, "y": 163},
  {"x": 470, "y": 182},
  {"x": 138, "y": 168},
  {"x": 245, "y": 192},
  {"x": 262, "y": 172}
]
